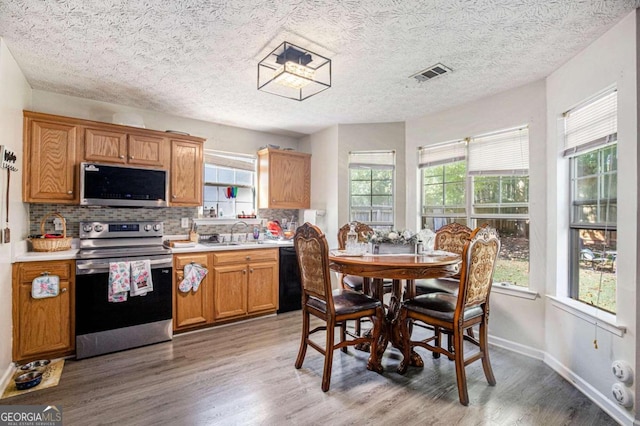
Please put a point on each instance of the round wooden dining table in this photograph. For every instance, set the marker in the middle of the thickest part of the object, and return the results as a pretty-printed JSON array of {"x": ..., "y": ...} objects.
[{"x": 400, "y": 268}]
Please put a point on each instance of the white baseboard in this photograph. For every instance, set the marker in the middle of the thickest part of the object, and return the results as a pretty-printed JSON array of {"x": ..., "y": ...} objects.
[
  {"x": 614, "y": 410},
  {"x": 517, "y": 347},
  {"x": 617, "y": 412}
]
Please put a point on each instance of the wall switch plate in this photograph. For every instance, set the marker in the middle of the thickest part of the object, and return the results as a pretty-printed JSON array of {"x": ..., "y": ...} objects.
[{"x": 184, "y": 222}]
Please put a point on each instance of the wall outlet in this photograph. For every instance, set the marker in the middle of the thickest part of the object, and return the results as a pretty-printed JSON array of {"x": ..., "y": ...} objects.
[
  {"x": 184, "y": 222},
  {"x": 57, "y": 224}
]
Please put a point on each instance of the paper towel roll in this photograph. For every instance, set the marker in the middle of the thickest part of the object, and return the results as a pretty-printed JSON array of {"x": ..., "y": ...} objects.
[{"x": 311, "y": 215}]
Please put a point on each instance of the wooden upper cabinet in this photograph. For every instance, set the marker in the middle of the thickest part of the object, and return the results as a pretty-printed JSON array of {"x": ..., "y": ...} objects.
[
  {"x": 119, "y": 147},
  {"x": 186, "y": 173},
  {"x": 49, "y": 162},
  {"x": 284, "y": 179},
  {"x": 105, "y": 146},
  {"x": 147, "y": 150}
]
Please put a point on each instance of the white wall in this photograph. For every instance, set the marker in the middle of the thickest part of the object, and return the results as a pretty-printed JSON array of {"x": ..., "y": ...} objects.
[
  {"x": 611, "y": 60},
  {"x": 517, "y": 320},
  {"x": 323, "y": 147},
  {"x": 15, "y": 95},
  {"x": 219, "y": 136}
]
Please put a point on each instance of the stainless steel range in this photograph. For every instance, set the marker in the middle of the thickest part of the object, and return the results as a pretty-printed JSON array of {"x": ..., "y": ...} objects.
[{"x": 104, "y": 326}]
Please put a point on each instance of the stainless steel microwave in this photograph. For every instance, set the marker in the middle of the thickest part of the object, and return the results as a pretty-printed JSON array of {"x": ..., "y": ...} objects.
[{"x": 111, "y": 185}]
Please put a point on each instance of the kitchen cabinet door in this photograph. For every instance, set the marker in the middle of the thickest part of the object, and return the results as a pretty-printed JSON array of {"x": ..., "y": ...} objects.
[
  {"x": 147, "y": 150},
  {"x": 262, "y": 287},
  {"x": 49, "y": 162},
  {"x": 284, "y": 179},
  {"x": 230, "y": 298},
  {"x": 106, "y": 146},
  {"x": 186, "y": 173},
  {"x": 192, "y": 309},
  {"x": 43, "y": 328}
]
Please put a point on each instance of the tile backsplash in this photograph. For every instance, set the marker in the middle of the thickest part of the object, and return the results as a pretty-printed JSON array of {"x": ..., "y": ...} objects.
[{"x": 171, "y": 216}]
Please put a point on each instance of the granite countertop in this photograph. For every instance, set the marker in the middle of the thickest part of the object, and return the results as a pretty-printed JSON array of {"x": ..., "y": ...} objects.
[{"x": 22, "y": 255}]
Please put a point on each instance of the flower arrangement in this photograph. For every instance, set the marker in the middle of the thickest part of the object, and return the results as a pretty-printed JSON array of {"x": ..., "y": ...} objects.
[{"x": 403, "y": 237}]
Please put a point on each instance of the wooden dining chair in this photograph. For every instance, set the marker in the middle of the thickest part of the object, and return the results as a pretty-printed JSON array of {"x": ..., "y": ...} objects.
[
  {"x": 335, "y": 307},
  {"x": 455, "y": 314},
  {"x": 452, "y": 238}
]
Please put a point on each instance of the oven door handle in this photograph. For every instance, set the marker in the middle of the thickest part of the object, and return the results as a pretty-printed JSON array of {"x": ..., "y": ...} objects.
[{"x": 105, "y": 265}]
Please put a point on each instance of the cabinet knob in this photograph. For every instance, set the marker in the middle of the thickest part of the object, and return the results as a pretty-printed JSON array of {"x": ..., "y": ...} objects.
[
  {"x": 174, "y": 196},
  {"x": 131, "y": 157},
  {"x": 69, "y": 192},
  {"x": 248, "y": 257},
  {"x": 63, "y": 290},
  {"x": 244, "y": 272},
  {"x": 122, "y": 157},
  {"x": 251, "y": 270}
]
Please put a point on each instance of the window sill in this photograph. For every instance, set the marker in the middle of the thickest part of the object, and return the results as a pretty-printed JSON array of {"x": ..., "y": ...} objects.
[
  {"x": 513, "y": 290},
  {"x": 601, "y": 319}
]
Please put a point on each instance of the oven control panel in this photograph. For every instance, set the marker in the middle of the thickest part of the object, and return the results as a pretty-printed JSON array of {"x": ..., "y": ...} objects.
[{"x": 90, "y": 230}]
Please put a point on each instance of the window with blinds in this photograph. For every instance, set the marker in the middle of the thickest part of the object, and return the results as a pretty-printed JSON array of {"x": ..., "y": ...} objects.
[
  {"x": 443, "y": 171},
  {"x": 223, "y": 170},
  {"x": 371, "y": 184},
  {"x": 482, "y": 179},
  {"x": 590, "y": 146}
]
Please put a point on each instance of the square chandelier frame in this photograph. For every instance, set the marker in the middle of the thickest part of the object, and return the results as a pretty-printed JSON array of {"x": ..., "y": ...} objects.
[{"x": 293, "y": 72}]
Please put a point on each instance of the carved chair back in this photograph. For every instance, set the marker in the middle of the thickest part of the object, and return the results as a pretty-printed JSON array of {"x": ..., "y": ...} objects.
[
  {"x": 362, "y": 229},
  {"x": 452, "y": 238},
  {"x": 478, "y": 263},
  {"x": 313, "y": 259}
]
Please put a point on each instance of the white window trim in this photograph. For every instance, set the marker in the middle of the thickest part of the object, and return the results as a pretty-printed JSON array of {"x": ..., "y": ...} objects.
[
  {"x": 514, "y": 290},
  {"x": 602, "y": 319}
]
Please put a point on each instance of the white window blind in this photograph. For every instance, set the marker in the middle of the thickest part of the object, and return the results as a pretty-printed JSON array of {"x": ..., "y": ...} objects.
[
  {"x": 230, "y": 160},
  {"x": 372, "y": 159},
  {"x": 592, "y": 124},
  {"x": 443, "y": 153},
  {"x": 502, "y": 153}
]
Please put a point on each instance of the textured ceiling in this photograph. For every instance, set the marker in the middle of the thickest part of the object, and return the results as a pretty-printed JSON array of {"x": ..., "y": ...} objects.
[{"x": 198, "y": 59}]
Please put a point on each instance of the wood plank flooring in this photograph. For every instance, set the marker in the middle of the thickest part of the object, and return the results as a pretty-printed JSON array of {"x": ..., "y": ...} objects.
[{"x": 244, "y": 374}]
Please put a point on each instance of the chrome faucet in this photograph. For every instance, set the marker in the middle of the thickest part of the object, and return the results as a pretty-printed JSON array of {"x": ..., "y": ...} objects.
[{"x": 240, "y": 222}]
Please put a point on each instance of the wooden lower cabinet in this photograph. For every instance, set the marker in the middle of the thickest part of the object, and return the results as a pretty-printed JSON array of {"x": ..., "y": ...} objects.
[
  {"x": 43, "y": 328},
  {"x": 246, "y": 282},
  {"x": 240, "y": 284},
  {"x": 192, "y": 309},
  {"x": 231, "y": 291}
]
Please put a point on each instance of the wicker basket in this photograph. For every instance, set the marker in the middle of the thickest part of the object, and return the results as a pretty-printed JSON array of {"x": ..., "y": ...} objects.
[{"x": 52, "y": 244}]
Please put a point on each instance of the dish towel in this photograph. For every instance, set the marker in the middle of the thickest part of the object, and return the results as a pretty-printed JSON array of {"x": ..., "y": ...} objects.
[
  {"x": 141, "y": 282},
  {"x": 193, "y": 275},
  {"x": 45, "y": 286},
  {"x": 119, "y": 281}
]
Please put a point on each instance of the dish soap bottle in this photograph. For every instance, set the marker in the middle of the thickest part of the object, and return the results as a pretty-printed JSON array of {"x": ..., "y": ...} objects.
[{"x": 352, "y": 239}]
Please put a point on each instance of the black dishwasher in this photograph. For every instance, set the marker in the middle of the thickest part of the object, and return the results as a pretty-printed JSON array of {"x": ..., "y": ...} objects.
[{"x": 290, "y": 289}]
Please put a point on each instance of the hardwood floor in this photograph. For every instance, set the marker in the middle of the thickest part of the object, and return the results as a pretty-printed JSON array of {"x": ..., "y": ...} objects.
[{"x": 244, "y": 374}]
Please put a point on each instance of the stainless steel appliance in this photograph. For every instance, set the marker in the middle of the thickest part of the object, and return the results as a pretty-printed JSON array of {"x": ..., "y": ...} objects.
[
  {"x": 103, "y": 326},
  {"x": 111, "y": 185}
]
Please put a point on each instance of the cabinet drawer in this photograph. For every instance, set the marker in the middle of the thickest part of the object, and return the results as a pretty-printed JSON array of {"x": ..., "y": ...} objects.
[
  {"x": 180, "y": 261},
  {"x": 32, "y": 270},
  {"x": 245, "y": 256}
]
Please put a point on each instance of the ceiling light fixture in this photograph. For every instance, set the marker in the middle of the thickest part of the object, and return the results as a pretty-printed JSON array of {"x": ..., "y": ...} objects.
[{"x": 293, "y": 72}]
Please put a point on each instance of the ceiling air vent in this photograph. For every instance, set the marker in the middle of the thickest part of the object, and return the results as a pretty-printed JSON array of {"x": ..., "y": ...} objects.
[{"x": 432, "y": 72}]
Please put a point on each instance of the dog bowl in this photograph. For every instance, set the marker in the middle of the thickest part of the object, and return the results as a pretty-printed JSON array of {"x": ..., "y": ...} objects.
[
  {"x": 28, "y": 380},
  {"x": 39, "y": 365}
]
